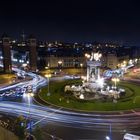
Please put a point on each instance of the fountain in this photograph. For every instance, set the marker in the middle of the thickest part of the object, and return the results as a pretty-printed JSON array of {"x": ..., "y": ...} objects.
[{"x": 93, "y": 86}]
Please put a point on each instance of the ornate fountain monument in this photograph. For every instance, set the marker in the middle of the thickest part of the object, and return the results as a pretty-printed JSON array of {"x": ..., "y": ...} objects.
[
  {"x": 93, "y": 64},
  {"x": 93, "y": 86}
]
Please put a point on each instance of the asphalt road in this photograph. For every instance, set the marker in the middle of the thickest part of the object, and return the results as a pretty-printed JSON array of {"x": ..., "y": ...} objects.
[
  {"x": 73, "y": 133},
  {"x": 72, "y": 125},
  {"x": 62, "y": 124}
]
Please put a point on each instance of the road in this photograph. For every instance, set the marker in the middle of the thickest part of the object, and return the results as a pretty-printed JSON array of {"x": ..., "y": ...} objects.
[
  {"x": 60, "y": 118},
  {"x": 71, "y": 125},
  {"x": 36, "y": 82}
]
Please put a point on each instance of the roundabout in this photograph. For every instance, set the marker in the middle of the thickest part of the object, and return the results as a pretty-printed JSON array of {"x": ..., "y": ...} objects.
[
  {"x": 64, "y": 111},
  {"x": 131, "y": 100},
  {"x": 92, "y": 92},
  {"x": 61, "y": 109}
]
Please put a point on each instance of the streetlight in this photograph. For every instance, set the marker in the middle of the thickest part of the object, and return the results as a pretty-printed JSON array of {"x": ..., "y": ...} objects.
[
  {"x": 47, "y": 67},
  {"x": 81, "y": 65},
  {"x": 107, "y": 138},
  {"x": 87, "y": 55},
  {"x": 29, "y": 96},
  {"x": 24, "y": 65},
  {"x": 123, "y": 64},
  {"x": 110, "y": 136},
  {"x": 60, "y": 64},
  {"x": 115, "y": 80},
  {"x": 130, "y": 62},
  {"x": 48, "y": 76}
]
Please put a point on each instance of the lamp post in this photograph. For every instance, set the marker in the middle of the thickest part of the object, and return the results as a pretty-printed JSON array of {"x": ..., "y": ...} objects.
[
  {"x": 107, "y": 138},
  {"x": 81, "y": 66},
  {"x": 48, "y": 76},
  {"x": 60, "y": 64},
  {"x": 47, "y": 67},
  {"x": 24, "y": 65},
  {"x": 110, "y": 135},
  {"x": 115, "y": 80},
  {"x": 87, "y": 55},
  {"x": 29, "y": 96}
]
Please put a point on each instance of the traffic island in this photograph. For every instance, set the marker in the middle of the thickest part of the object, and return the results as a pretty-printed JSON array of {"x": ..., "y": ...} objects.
[{"x": 61, "y": 99}]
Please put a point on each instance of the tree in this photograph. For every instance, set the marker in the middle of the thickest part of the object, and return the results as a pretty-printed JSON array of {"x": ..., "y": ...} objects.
[
  {"x": 19, "y": 127},
  {"x": 38, "y": 133}
]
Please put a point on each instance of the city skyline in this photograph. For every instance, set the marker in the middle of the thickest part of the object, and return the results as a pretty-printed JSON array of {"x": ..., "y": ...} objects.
[{"x": 73, "y": 21}]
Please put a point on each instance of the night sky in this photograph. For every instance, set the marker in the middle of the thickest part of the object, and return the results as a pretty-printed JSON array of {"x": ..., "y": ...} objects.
[{"x": 73, "y": 21}]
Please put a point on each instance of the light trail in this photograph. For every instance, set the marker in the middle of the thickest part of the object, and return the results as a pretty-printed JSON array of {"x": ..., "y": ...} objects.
[
  {"x": 66, "y": 117},
  {"x": 74, "y": 119},
  {"x": 36, "y": 82}
]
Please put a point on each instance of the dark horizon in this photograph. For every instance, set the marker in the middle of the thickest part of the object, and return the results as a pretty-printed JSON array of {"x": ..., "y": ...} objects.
[{"x": 105, "y": 21}]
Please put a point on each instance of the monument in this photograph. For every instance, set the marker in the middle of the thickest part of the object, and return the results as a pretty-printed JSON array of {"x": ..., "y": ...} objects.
[
  {"x": 93, "y": 86},
  {"x": 93, "y": 64}
]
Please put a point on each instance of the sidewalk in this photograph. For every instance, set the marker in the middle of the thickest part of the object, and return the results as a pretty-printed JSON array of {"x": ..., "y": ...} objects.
[{"x": 7, "y": 135}]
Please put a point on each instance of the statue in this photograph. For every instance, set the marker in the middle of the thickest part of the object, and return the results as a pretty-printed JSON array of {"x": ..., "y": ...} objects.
[{"x": 97, "y": 56}]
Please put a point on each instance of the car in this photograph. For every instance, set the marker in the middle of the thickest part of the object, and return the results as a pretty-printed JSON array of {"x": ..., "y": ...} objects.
[
  {"x": 129, "y": 136},
  {"x": 19, "y": 94},
  {"x": 2, "y": 94},
  {"x": 76, "y": 77}
]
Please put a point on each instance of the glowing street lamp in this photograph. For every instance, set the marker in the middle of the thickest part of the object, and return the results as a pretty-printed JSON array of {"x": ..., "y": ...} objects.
[
  {"x": 60, "y": 64},
  {"x": 115, "y": 80},
  {"x": 48, "y": 76},
  {"x": 136, "y": 60},
  {"x": 124, "y": 62},
  {"x": 29, "y": 97},
  {"x": 81, "y": 65},
  {"x": 130, "y": 62},
  {"x": 119, "y": 65},
  {"x": 107, "y": 138},
  {"x": 87, "y": 55},
  {"x": 24, "y": 64},
  {"x": 47, "y": 67}
]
